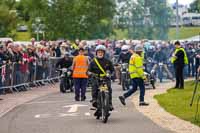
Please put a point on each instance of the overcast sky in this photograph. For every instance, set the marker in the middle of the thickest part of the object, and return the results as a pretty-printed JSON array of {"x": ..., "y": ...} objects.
[{"x": 184, "y": 2}]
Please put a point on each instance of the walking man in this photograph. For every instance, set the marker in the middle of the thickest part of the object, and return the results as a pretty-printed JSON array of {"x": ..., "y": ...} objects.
[{"x": 136, "y": 71}]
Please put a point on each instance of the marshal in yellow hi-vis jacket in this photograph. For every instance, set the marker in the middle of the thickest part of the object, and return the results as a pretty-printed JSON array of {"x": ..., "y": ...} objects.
[
  {"x": 136, "y": 66},
  {"x": 136, "y": 71}
]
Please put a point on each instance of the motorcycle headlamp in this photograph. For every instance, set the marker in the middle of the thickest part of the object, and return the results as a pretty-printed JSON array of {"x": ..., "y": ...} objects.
[
  {"x": 68, "y": 73},
  {"x": 64, "y": 70},
  {"x": 124, "y": 66}
]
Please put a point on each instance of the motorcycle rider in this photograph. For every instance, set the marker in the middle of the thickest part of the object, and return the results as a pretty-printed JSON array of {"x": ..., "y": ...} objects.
[
  {"x": 94, "y": 68},
  {"x": 124, "y": 57},
  {"x": 65, "y": 62},
  {"x": 161, "y": 57}
]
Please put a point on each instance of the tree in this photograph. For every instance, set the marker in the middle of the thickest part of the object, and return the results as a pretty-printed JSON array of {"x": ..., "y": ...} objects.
[
  {"x": 83, "y": 19},
  {"x": 195, "y": 6},
  {"x": 9, "y": 3},
  {"x": 145, "y": 18},
  {"x": 7, "y": 19}
]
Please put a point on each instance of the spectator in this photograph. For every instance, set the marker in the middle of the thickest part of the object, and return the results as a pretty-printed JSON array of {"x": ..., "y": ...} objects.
[
  {"x": 31, "y": 62},
  {"x": 17, "y": 59},
  {"x": 2, "y": 67},
  {"x": 57, "y": 50},
  {"x": 191, "y": 66}
]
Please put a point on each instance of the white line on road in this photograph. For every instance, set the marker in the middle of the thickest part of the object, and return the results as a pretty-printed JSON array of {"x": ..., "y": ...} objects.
[
  {"x": 42, "y": 115},
  {"x": 87, "y": 114},
  {"x": 74, "y": 107},
  {"x": 64, "y": 115}
]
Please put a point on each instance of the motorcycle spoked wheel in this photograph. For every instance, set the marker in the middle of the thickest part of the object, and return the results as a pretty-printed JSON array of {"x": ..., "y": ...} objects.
[
  {"x": 103, "y": 107},
  {"x": 62, "y": 86},
  {"x": 66, "y": 86},
  {"x": 124, "y": 83}
]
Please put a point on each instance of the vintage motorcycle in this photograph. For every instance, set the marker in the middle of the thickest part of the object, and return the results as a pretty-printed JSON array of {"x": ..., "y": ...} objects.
[
  {"x": 102, "y": 103},
  {"x": 125, "y": 78},
  {"x": 66, "y": 82}
]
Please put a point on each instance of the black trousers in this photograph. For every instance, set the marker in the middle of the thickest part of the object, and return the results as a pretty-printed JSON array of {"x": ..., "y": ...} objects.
[{"x": 179, "y": 76}]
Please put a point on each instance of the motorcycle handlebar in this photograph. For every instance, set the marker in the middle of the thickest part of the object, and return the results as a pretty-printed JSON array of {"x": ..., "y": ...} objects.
[{"x": 108, "y": 75}]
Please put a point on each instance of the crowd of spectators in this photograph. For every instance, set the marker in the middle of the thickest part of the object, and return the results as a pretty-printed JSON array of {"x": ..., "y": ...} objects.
[{"x": 19, "y": 60}]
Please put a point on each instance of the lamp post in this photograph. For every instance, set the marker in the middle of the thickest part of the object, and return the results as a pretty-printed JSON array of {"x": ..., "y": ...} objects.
[
  {"x": 147, "y": 21},
  {"x": 38, "y": 27},
  {"x": 177, "y": 21}
]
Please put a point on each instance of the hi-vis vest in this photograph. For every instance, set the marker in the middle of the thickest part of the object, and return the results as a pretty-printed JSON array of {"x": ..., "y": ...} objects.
[
  {"x": 173, "y": 59},
  {"x": 74, "y": 46},
  {"x": 80, "y": 67},
  {"x": 136, "y": 69}
]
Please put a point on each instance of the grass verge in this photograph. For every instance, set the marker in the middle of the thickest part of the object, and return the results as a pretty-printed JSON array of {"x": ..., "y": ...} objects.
[
  {"x": 177, "y": 102},
  {"x": 184, "y": 32}
]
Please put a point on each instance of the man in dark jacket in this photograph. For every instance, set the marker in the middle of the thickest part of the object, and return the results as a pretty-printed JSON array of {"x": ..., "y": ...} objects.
[
  {"x": 65, "y": 62},
  {"x": 179, "y": 59}
]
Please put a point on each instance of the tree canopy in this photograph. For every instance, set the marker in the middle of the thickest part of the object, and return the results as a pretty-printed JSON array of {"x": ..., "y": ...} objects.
[{"x": 87, "y": 19}]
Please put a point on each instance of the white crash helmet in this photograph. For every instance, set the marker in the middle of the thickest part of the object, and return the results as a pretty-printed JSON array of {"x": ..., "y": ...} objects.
[
  {"x": 100, "y": 47},
  {"x": 125, "y": 48},
  {"x": 138, "y": 48}
]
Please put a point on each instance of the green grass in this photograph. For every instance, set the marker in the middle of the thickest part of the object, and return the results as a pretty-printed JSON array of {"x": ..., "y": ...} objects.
[
  {"x": 177, "y": 102},
  {"x": 119, "y": 34},
  {"x": 184, "y": 32},
  {"x": 23, "y": 36}
]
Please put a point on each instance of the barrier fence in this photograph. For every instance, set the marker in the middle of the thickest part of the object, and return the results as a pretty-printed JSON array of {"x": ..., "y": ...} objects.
[{"x": 19, "y": 76}]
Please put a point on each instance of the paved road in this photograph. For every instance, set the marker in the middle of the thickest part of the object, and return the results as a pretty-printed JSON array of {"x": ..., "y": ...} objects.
[{"x": 54, "y": 114}]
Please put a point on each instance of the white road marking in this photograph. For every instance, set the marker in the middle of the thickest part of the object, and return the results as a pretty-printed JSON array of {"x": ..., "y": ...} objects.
[
  {"x": 74, "y": 107},
  {"x": 114, "y": 111},
  {"x": 42, "y": 115},
  {"x": 37, "y": 116},
  {"x": 64, "y": 115},
  {"x": 87, "y": 114}
]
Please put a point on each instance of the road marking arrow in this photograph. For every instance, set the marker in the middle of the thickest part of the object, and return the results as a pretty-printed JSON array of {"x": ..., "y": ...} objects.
[
  {"x": 63, "y": 115},
  {"x": 74, "y": 107}
]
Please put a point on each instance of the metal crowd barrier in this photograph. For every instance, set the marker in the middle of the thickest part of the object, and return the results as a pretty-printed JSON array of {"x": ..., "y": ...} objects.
[{"x": 15, "y": 77}]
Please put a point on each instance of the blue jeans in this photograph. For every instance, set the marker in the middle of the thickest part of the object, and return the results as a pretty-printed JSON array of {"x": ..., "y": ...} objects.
[
  {"x": 191, "y": 67},
  {"x": 185, "y": 71},
  {"x": 80, "y": 85},
  {"x": 1, "y": 85},
  {"x": 135, "y": 83}
]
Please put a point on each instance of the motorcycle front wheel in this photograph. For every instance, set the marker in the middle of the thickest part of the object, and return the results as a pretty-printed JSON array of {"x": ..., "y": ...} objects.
[
  {"x": 105, "y": 107},
  {"x": 62, "y": 86}
]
